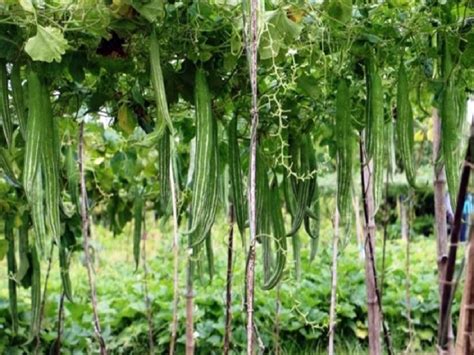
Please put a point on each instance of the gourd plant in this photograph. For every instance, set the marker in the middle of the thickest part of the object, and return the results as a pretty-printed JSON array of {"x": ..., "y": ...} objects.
[{"x": 172, "y": 80}]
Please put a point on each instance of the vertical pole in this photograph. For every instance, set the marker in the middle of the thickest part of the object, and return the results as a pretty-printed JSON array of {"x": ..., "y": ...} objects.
[{"x": 332, "y": 309}]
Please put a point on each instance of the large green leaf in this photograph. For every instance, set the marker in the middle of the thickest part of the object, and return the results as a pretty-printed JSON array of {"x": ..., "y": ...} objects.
[
  {"x": 47, "y": 45},
  {"x": 151, "y": 10}
]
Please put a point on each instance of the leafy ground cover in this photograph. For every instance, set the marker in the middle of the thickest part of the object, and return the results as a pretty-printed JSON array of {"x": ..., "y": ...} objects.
[{"x": 301, "y": 323}]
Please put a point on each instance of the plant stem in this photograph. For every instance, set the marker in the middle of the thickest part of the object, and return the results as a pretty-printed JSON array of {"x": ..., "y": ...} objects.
[
  {"x": 228, "y": 295},
  {"x": 85, "y": 237}
]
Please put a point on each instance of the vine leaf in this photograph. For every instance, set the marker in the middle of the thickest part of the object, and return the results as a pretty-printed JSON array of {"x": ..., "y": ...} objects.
[
  {"x": 47, "y": 45},
  {"x": 151, "y": 10},
  {"x": 280, "y": 32}
]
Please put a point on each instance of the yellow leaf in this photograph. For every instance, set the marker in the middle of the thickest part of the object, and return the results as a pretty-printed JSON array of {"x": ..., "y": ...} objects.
[
  {"x": 419, "y": 136},
  {"x": 126, "y": 119}
]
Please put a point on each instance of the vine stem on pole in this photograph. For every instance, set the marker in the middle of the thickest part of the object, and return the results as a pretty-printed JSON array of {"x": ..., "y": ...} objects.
[
  {"x": 332, "y": 309},
  {"x": 174, "y": 327},
  {"x": 250, "y": 272},
  {"x": 85, "y": 237},
  {"x": 228, "y": 294}
]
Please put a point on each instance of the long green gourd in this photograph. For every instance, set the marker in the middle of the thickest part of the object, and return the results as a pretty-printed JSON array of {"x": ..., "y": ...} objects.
[
  {"x": 64, "y": 262},
  {"x": 344, "y": 148},
  {"x": 205, "y": 192},
  {"x": 163, "y": 121},
  {"x": 5, "y": 116},
  {"x": 375, "y": 137},
  {"x": 137, "y": 230},
  {"x": 279, "y": 235},
  {"x": 72, "y": 174},
  {"x": 236, "y": 181},
  {"x": 18, "y": 98},
  {"x": 50, "y": 160},
  {"x": 163, "y": 116},
  {"x": 35, "y": 294},
  {"x": 449, "y": 126},
  {"x": 12, "y": 269},
  {"x": 404, "y": 125}
]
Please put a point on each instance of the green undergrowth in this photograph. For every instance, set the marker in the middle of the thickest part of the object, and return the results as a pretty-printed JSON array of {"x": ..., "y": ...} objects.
[{"x": 301, "y": 324}]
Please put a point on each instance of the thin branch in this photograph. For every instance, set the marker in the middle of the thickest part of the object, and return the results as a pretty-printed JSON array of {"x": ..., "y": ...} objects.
[{"x": 85, "y": 237}]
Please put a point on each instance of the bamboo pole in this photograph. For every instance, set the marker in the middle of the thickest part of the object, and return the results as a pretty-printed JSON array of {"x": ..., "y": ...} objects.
[
  {"x": 466, "y": 312},
  {"x": 374, "y": 300},
  {"x": 448, "y": 279},
  {"x": 252, "y": 46},
  {"x": 441, "y": 226},
  {"x": 373, "y": 309},
  {"x": 332, "y": 309}
]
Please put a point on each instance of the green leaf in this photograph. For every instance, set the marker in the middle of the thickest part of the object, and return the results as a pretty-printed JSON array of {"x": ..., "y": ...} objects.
[
  {"x": 27, "y": 5},
  {"x": 47, "y": 45},
  {"x": 280, "y": 32},
  {"x": 151, "y": 10},
  {"x": 3, "y": 248}
]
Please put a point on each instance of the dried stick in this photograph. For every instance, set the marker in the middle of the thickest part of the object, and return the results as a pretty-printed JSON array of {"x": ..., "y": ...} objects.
[
  {"x": 228, "y": 294},
  {"x": 85, "y": 237}
]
